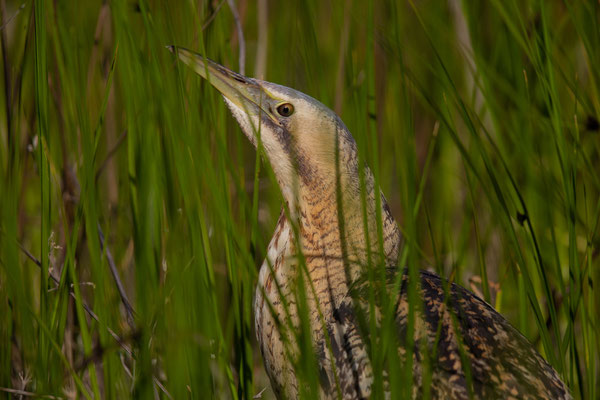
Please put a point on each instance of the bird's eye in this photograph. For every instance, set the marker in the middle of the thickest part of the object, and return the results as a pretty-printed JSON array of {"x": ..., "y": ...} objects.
[{"x": 285, "y": 109}]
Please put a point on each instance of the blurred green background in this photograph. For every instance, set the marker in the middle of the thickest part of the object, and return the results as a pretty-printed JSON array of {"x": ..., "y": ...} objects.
[{"x": 478, "y": 118}]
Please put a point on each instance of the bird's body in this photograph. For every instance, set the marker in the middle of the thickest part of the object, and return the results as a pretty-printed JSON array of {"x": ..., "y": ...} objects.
[
  {"x": 502, "y": 363},
  {"x": 327, "y": 241}
]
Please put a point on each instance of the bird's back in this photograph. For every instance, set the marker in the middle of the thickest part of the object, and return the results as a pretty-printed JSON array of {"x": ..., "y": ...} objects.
[{"x": 471, "y": 348}]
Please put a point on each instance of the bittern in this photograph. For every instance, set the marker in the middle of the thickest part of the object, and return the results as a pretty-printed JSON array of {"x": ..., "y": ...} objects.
[{"x": 315, "y": 161}]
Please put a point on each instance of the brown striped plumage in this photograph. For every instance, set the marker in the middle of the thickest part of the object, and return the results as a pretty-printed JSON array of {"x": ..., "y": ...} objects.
[{"x": 314, "y": 158}]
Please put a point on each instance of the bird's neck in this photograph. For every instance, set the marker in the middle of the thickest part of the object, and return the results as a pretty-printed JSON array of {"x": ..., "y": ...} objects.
[
  {"x": 330, "y": 240},
  {"x": 336, "y": 221},
  {"x": 334, "y": 201}
]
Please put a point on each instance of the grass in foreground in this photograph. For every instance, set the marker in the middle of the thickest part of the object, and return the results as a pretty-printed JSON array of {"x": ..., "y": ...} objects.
[{"x": 479, "y": 121}]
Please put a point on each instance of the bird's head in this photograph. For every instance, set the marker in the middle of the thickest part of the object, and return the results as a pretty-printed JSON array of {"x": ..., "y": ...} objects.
[
  {"x": 298, "y": 133},
  {"x": 312, "y": 153}
]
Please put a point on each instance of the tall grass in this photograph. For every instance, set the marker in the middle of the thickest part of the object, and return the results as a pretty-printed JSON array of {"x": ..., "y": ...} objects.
[{"x": 479, "y": 121}]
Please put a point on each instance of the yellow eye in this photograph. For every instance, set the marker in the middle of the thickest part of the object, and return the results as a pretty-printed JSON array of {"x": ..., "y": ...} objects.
[{"x": 285, "y": 109}]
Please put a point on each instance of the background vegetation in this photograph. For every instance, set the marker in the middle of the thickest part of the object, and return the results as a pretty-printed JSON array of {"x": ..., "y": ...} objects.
[{"x": 479, "y": 119}]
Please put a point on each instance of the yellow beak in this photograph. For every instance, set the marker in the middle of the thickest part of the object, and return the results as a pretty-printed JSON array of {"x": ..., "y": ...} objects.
[{"x": 246, "y": 93}]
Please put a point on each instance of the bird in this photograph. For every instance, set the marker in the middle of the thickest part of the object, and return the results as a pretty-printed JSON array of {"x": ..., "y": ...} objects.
[{"x": 322, "y": 237}]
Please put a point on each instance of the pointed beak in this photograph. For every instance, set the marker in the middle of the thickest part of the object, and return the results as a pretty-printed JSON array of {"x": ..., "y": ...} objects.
[{"x": 244, "y": 92}]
